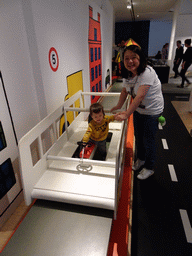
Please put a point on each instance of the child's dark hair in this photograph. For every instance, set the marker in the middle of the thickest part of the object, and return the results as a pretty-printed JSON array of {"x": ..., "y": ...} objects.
[{"x": 96, "y": 108}]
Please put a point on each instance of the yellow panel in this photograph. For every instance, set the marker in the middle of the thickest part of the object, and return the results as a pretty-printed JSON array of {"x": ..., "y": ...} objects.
[{"x": 74, "y": 84}]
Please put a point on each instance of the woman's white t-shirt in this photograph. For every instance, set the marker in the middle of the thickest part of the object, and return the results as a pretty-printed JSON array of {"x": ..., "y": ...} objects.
[{"x": 153, "y": 103}]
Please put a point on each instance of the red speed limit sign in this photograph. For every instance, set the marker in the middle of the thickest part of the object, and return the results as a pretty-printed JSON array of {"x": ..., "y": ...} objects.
[{"x": 53, "y": 59}]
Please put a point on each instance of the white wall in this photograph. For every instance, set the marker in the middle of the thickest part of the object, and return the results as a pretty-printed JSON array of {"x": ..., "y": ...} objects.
[
  {"x": 159, "y": 34},
  {"x": 29, "y": 28},
  {"x": 64, "y": 25},
  {"x": 183, "y": 31},
  {"x": 107, "y": 38},
  {"x": 15, "y": 65}
]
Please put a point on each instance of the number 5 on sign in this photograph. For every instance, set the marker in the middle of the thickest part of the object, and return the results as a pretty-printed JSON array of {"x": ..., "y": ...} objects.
[{"x": 53, "y": 59}]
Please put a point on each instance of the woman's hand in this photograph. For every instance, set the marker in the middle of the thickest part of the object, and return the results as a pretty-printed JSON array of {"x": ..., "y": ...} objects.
[
  {"x": 114, "y": 108},
  {"x": 121, "y": 101},
  {"x": 121, "y": 116}
]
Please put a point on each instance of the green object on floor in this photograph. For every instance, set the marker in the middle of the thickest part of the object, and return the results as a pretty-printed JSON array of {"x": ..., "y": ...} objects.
[{"x": 162, "y": 120}]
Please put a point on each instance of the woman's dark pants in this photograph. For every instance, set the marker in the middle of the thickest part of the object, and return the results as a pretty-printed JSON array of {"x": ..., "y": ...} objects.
[{"x": 145, "y": 129}]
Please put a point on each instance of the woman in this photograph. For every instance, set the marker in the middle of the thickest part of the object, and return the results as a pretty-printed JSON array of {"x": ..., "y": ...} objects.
[{"x": 147, "y": 106}]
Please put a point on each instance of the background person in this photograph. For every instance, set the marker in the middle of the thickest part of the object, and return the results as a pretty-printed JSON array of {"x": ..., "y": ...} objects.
[
  {"x": 145, "y": 87},
  {"x": 122, "y": 70},
  {"x": 158, "y": 55},
  {"x": 187, "y": 61},
  {"x": 178, "y": 58},
  {"x": 164, "y": 52}
]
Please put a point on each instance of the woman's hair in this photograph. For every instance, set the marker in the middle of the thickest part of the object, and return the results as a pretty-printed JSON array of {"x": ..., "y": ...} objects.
[
  {"x": 96, "y": 108},
  {"x": 143, "y": 61}
]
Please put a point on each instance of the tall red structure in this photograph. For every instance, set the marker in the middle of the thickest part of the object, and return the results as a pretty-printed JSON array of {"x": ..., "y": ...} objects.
[{"x": 94, "y": 41}]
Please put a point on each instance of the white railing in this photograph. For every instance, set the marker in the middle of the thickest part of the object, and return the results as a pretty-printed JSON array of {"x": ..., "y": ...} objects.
[
  {"x": 32, "y": 171},
  {"x": 118, "y": 165}
]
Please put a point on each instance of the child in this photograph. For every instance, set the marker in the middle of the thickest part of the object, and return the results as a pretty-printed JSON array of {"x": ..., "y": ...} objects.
[{"x": 98, "y": 128}]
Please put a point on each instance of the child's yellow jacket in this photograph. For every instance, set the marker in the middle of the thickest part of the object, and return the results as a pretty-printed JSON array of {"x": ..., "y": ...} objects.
[{"x": 98, "y": 132}]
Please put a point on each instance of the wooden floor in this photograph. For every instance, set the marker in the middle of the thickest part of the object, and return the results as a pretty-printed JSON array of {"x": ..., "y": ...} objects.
[
  {"x": 182, "y": 108},
  {"x": 9, "y": 227}
]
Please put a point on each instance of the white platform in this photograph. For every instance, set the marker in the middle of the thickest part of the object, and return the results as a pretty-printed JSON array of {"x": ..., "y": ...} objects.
[
  {"x": 63, "y": 182},
  {"x": 56, "y": 176}
]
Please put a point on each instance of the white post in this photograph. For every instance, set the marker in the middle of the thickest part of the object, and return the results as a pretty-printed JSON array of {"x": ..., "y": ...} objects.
[{"x": 172, "y": 38}]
